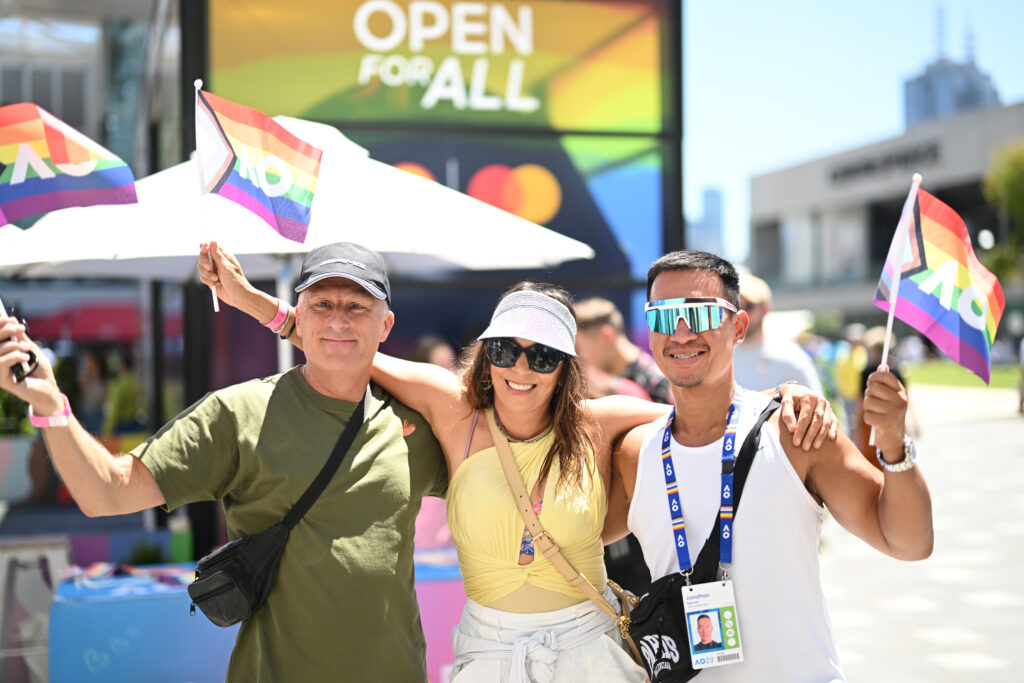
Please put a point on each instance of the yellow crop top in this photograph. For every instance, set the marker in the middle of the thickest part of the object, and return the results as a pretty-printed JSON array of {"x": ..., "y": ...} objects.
[{"x": 487, "y": 528}]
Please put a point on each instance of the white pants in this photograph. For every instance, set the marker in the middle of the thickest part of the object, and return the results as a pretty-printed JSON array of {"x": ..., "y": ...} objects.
[{"x": 578, "y": 644}]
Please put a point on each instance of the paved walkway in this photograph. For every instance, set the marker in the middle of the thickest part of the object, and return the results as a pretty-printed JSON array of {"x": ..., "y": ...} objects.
[{"x": 959, "y": 615}]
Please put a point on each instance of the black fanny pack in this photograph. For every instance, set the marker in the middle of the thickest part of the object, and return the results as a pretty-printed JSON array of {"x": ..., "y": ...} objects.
[
  {"x": 657, "y": 622},
  {"x": 235, "y": 580}
]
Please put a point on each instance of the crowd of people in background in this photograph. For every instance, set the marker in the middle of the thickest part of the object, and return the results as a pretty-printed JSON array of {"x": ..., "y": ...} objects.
[
  {"x": 103, "y": 383},
  {"x": 111, "y": 399}
]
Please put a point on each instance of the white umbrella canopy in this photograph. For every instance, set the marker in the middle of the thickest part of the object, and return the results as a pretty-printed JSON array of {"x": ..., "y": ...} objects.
[
  {"x": 425, "y": 225},
  {"x": 9, "y": 236}
]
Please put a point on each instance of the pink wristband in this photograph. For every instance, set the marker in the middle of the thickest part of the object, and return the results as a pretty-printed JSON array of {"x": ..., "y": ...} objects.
[
  {"x": 58, "y": 420},
  {"x": 282, "y": 313}
]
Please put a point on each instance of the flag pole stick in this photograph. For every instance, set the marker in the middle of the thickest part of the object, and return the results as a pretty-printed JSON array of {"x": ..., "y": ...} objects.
[
  {"x": 3, "y": 312},
  {"x": 894, "y": 286},
  {"x": 198, "y": 83}
]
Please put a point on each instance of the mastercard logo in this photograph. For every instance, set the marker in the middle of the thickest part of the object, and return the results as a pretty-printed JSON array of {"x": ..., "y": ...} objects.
[{"x": 529, "y": 191}]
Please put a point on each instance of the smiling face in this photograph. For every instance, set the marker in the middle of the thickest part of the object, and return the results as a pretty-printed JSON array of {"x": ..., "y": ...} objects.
[
  {"x": 519, "y": 388},
  {"x": 341, "y": 324},
  {"x": 691, "y": 360}
]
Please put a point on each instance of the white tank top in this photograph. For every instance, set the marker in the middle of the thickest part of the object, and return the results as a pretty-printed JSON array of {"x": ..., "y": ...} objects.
[{"x": 784, "y": 622}]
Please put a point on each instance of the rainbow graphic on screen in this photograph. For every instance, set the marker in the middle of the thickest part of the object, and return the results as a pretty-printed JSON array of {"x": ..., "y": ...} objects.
[
  {"x": 247, "y": 157},
  {"x": 46, "y": 165}
]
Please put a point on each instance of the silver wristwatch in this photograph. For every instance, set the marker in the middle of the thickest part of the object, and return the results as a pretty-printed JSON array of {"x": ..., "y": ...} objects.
[{"x": 909, "y": 457}]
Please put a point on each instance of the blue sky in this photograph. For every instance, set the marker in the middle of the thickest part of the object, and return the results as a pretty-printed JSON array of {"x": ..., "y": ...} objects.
[{"x": 772, "y": 84}]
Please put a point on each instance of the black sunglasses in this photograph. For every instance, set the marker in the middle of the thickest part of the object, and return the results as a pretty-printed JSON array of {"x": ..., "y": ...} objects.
[{"x": 541, "y": 358}]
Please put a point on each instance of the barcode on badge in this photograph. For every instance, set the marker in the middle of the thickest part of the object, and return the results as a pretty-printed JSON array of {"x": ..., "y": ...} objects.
[{"x": 728, "y": 658}]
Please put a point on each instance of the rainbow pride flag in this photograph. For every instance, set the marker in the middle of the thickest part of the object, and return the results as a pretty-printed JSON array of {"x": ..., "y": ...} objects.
[
  {"x": 46, "y": 165},
  {"x": 247, "y": 157},
  {"x": 943, "y": 291}
]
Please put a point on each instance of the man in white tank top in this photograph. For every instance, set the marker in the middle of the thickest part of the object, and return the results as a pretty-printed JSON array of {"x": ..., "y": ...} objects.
[{"x": 784, "y": 621}]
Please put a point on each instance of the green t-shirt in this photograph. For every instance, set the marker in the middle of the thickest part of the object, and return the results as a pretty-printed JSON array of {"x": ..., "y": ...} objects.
[{"x": 344, "y": 605}]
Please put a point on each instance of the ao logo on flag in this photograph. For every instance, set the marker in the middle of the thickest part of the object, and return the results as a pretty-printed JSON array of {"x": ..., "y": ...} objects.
[
  {"x": 944, "y": 280},
  {"x": 259, "y": 174},
  {"x": 27, "y": 158}
]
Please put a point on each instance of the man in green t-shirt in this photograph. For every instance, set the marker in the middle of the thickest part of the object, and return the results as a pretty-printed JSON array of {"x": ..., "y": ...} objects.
[{"x": 344, "y": 605}]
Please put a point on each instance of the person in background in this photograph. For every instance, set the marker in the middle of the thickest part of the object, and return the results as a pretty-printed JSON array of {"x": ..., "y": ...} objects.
[
  {"x": 614, "y": 364},
  {"x": 125, "y": 401},
  {"x": 874, "y": 342},
  {"x": 761, "y": 361},
  {"x": 823, "y": 353},
  {"x": 434, "y": 349},
  {"x": 92, "y": 391},
  {"x": 851, "y": 359}
]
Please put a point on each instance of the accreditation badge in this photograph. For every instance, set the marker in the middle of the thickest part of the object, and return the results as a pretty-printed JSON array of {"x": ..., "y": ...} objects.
[{"x": 712, "y": 624}]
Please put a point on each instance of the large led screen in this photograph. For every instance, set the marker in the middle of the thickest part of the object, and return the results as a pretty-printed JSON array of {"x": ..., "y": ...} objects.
[{"x": 546, "y": 64}]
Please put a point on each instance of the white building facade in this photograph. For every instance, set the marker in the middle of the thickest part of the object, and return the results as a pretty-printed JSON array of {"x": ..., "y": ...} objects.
[{"x": 820, "y": 230}]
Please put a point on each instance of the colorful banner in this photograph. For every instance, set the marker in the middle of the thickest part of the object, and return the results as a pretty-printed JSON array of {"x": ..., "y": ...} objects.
[
  {"x": 46, "y": 165},
  {"x": 558, "y": 65},
  {"x": 944, "y": 292},
  {"x": 247, "y": 157}
]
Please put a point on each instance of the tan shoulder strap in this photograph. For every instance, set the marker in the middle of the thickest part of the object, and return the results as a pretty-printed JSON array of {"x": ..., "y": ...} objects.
[{"x": 540, "y": 537}]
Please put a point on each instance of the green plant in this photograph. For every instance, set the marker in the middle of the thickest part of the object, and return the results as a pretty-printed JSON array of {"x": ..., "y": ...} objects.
[
  {"x": 1004, "y": 187},
  {"x": 144, "y": 552}
]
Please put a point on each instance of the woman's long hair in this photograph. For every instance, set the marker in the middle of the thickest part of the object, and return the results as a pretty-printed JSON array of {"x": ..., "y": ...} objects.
[{"x": 572, "y": 444}]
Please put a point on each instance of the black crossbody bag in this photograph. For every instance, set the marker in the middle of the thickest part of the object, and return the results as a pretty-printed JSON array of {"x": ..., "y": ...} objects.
[
  {"x": 234, "y": 580},
  {"x": 657, "y": 622}
]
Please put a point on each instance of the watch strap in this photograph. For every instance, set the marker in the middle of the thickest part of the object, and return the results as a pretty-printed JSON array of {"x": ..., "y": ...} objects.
[{"x": 908, "y": 461}]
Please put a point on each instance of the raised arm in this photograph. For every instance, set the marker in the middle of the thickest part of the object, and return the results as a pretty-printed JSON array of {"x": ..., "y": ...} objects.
[
  {"x": 233, "y": 288},
  {"x": 100, "y": 482},
  {"x": 625, "y": 457},
  {"x": 891, "y": 511},
  {"x": 616, "y": 415},
  {"x": 432, "y": 391},
  {"x": 428, "y": 389}
]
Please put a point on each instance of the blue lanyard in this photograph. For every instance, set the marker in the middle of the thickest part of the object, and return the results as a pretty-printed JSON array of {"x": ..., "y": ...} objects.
[{"x": 725, "y": 509}]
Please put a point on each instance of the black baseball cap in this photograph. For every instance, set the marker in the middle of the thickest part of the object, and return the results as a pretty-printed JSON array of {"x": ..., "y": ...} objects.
[{"x": 351, "y": 261}]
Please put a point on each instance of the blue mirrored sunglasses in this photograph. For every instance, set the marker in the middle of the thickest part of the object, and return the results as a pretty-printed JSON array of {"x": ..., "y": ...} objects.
[{"x": 699, "y": 313}]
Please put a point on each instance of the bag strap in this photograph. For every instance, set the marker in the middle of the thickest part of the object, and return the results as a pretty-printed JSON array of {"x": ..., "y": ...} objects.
[
  {"x": 746, "y": 457},
  {"x": 540, "y": 537},
  {"x": 341, "y": 448}
]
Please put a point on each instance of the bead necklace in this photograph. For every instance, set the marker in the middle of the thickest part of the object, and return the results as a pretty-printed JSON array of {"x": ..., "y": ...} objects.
[{"x": 497, "y": 421}]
